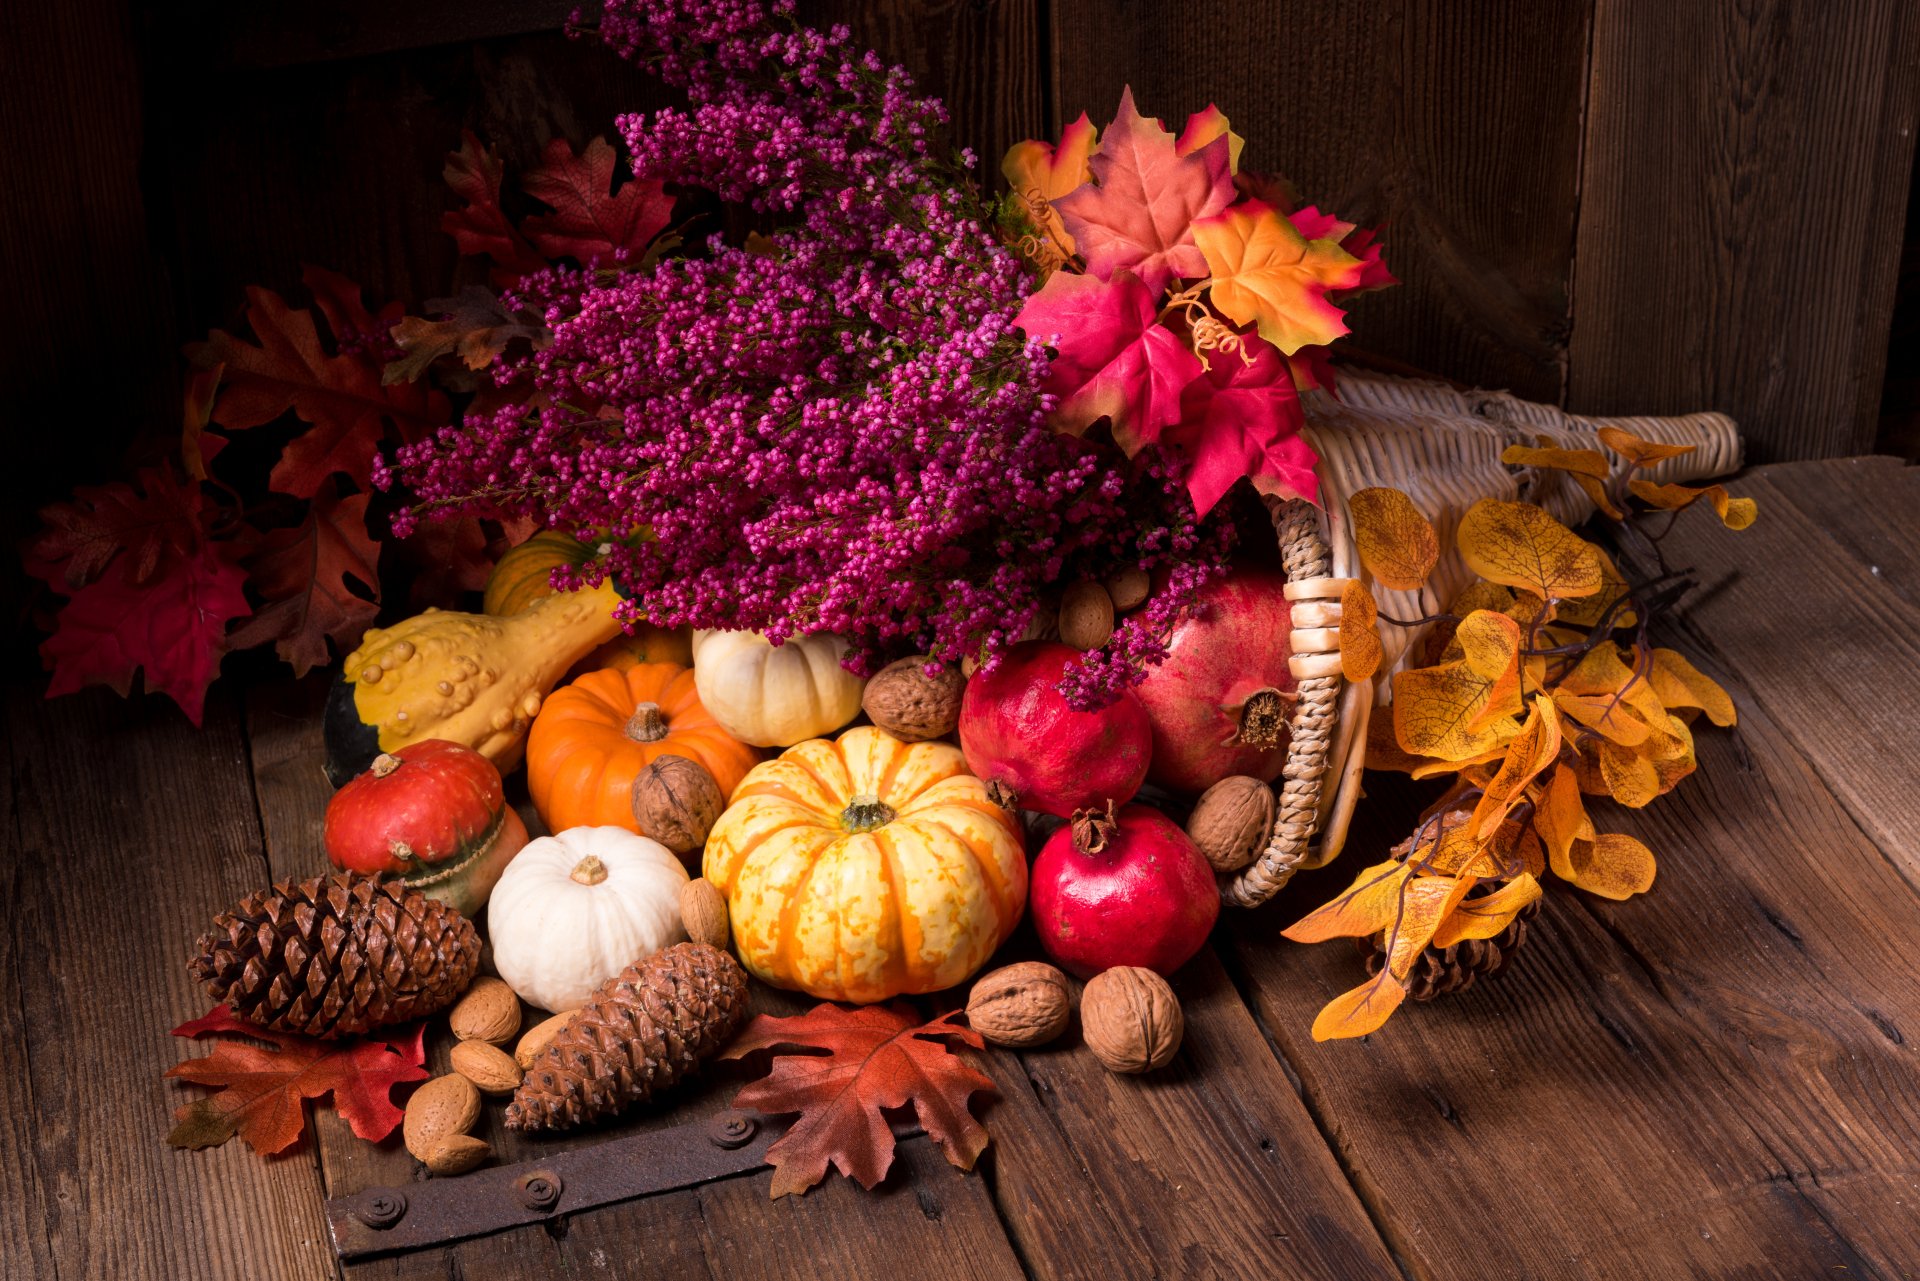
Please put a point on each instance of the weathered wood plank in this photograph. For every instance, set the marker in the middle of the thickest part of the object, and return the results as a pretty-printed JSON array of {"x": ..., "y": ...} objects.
[
  {"x": 1456, "y": 125},
  {"x": 1210, "y": 1167},
  {"x": 128, "y": 830},
  {"x": 1815, "y": 636},
  {"x": 928, "y": 1217},
  {"x": 1775, "y": 141}
]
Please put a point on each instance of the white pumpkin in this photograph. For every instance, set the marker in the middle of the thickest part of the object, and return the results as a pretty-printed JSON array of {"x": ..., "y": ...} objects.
[
  {"x": 573, "y": 910},
  {"x": 775, "y": 695}
]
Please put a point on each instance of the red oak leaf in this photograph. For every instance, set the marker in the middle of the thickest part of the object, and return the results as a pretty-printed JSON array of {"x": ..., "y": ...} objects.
[
  {"x": 262, "y": 1089},
  {"x": 1112, "y": 357},
  {"x": 340, "y": 395},
  {"x": 355, "y": 330},
  {"x": 170, "y": 623},
  {"x": 77, "y": 539},
  {"x": 1244, "y": 419},
  {"x": 1362, "y": 242},
  {"x": 480, "y": 226},
  {"x": 1140, "y": 217},
  {"x": 456, "y": 555},
  {"x": 876, "y": 1057},
  {"x": 591, "y": 222},
  {"x": 197, "y": 445},
  {"x": 305, "y": 575}
]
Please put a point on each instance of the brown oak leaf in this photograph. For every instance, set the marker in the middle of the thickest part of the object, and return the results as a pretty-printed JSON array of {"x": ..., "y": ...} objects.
[
  {"x": 305, "y": 574},
  {"x": 875, "y": 1057}
]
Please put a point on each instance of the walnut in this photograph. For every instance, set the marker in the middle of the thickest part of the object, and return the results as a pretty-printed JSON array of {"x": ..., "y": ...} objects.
[
  {"x": 1131, "y": 1019},
  {"x": 676, "y": 802},
  {"x": 1086, "y": 615},
  {"x": 1231, "y": 821},
  {"x": 911, "y": 705},
  {"x": 1024, "y": 1004}
]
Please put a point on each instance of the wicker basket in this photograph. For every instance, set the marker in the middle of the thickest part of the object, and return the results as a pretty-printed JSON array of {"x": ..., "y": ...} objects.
[{"x": 1441, "y": 447}]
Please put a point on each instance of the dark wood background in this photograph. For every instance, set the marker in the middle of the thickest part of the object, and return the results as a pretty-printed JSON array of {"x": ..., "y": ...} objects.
[{"x": 1617, "y": 204}]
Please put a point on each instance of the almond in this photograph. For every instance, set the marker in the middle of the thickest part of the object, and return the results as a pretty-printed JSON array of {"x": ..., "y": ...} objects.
[
  {"x": 445, "y": 1106},
  {"x": 534, "y": 1043},
  {"x": 1129, "y": 588},
  {"x": 703, "y": 910},
  {"x": 488, "y": 1012},
  {"x": 457, "y": 1153},
  {"x": 489, "y": 1067},
  {"x": 1086, "y": 615}
]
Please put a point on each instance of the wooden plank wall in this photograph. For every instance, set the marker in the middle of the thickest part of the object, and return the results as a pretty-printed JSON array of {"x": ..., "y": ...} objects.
[{"x": 1616, "y": 203}]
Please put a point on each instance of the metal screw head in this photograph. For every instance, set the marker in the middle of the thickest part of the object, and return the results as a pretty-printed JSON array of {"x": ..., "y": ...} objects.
[
  {"x": 381, "y": 1208},
  {"x": 731, "y": 1129},
  {"x": 541, "y": 1191}
]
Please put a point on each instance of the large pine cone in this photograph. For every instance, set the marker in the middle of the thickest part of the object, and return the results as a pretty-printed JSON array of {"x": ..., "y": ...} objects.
[
  {"x": 1440, "y": 970},
  {"x": 337, "y": 955},
  {"x": 646, "y": 1028}
]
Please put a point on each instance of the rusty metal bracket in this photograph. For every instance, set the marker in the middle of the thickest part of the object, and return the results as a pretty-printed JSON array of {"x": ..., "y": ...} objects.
[{"x": 436, "y": 1211}]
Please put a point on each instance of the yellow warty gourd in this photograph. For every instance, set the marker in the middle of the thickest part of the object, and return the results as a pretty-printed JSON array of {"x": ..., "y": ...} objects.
[{"x": 468, "y": 678}]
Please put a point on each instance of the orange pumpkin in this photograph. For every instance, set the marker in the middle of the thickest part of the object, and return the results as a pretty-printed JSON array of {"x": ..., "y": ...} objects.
[{"x": 593, "y": 737}]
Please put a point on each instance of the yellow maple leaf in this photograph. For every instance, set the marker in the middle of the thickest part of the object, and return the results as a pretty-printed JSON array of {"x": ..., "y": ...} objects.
[
  {"x": 1367, "y": 906},
  {"x": 1614, "y": 866},
  {"x": 1359, "y": 637},
  {"x": 1532, "y": 751},
  {"x": 1639, "y": 452},
  {"x": 1486, "y": 916},
  {"x": 1266, "y": 274},
  {"x": 1680, "y": 684},
  {"x": 1040, "y": 174},
  {"x": 1202, "y": 128},
  {"x": 1736, "y": 513},
  {"x": 1360, "y": 1010},
  {"x": 1395, "y": 540},
  {"x": 1523, "y": 547},
  {"x": 1437, "y": 712}
]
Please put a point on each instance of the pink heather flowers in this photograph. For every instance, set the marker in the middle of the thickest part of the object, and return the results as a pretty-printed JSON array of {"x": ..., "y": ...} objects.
[{"x": 834, "y": 427}]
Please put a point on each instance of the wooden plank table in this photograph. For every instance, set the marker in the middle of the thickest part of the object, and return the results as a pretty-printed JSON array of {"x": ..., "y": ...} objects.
[{"x": 1717, "y": 1079}]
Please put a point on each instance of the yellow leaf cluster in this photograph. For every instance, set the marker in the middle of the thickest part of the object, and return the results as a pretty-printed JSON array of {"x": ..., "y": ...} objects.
[{"x": 1537, "y": 690}]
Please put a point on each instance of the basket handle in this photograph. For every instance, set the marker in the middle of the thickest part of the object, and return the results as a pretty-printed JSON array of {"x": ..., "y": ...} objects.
[{"x": 1306, "y": 556}]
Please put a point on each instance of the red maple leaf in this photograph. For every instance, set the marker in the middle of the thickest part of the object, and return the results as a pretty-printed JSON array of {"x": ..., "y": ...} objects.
[
  {"x": 169, "y": 623},
  {"x": 1140, "y": 216},
  {"x": 1112, "y": 356},
  {"x": 1362, "y": 242},
  {"x": 592, "y": 222},
  {"x": 876, "y": 1057},
  {"x": 77, "y": 539},
  {"x": 262, "y": 1089},
  {"x": 1244, "y": 419},
  {"x": 340, "y": 395},
  {"x": 481, "y": 226},
  {"x": 304, "y": 573}
]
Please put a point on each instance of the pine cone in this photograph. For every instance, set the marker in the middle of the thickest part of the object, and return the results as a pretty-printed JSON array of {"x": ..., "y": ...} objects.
[
  {"x": 1440, "y": 970},
  {"x": 337, "y": 955},
  {"x": 646, "y": 1028}
]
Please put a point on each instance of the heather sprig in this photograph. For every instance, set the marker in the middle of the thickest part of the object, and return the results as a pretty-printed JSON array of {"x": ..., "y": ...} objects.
[{"x": 832, "y": 427}]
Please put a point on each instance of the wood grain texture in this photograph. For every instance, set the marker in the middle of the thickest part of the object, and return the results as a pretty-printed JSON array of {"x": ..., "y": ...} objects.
[
  {"x": 927, "y": 1216},
  {"x": 1210, "y": 1167},
  {"x": 1823, "y": 637},
  {"x": 128, "y": 830},
  {"x": 1458, "y": 126},
  {"x": 1745, "y": 171}
]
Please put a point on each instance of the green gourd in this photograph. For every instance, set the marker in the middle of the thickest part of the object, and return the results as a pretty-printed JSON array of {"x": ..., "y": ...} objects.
[{"x": 468, "y": 678}]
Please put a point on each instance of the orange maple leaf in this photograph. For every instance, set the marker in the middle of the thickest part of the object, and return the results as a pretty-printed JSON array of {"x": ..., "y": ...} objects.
[
  {"x": 1040, "y": 173},
  {"x": 1266, "y": 274}
]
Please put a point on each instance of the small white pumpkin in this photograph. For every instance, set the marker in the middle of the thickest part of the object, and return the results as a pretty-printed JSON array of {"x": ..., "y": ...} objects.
[
  {"x": 775, "y": 695},
  {"x": 573, "y": 910}
]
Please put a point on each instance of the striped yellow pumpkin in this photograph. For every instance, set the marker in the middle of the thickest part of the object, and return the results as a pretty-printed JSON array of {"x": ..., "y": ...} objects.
[{"x": 862, "y": 868}]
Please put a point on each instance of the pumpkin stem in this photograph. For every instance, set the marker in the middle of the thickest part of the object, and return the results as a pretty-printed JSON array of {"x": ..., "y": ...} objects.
[
  {"x": 385, "y": 764},
  {"x": 1093, "y": 829},
  {"x": 1263, "y": 718},
  {"x": 589, "y": 871},
  {"x": 865, "y": 812},
  {"x": 647, "y": 725}
]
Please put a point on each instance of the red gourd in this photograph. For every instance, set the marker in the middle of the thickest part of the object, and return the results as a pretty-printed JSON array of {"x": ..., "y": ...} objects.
[
  {"x": 1125, "y": 888},
  {"x": 1036, "y": 752},
  {"x": 433, "y": 813},
  {"x": 1219, "y": 702}
]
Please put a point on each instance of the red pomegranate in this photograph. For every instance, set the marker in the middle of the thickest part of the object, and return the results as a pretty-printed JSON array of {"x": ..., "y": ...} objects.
[
  {"x": 1126, "y": 888},
  {"x": 431, "y": 813},
  {"x": 1220, "y": 701},
  {"x": 1039, "y": 754}
]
